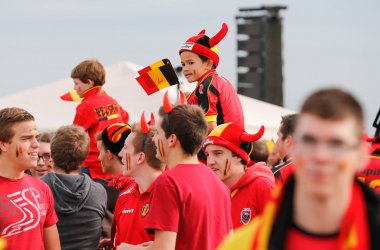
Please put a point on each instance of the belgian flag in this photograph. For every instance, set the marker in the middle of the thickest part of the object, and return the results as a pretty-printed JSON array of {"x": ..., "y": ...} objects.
[
  {"x": 157, "y": 76},
  {"x": 71, "y": 96}
]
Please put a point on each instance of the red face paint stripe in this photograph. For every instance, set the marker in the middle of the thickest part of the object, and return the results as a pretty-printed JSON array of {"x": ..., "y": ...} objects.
[{"x": 161, "y": 148}]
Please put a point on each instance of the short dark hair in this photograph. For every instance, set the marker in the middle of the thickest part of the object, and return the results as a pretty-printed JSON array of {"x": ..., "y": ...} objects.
[
  {"x": 288, "y": 123},
  {"x": 90, "y": 70},
  {"x": 46, "y": 137},
  {"x": 69, "y": 147},
  {"x": 334, "y": 104},
  {"x": 260, "y": 151},
  {"x": 188, "y": 124}
]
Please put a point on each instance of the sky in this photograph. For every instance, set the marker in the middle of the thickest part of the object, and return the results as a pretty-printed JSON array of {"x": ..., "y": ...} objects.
[{"x": 325, "y": 43}]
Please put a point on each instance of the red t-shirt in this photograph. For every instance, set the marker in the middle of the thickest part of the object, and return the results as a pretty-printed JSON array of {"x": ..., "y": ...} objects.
[
  {"x": 371, "y": 174},
  {"x": 218, "y": 99},
  {"x": 130, "y": 216},
  {"x": 250, "y": 194},
  {"x": 26, "y": 208},
  {"x": 193, "y": 202},
  {"x": 96, "y": 112},
  {"x": 296, "y": 239}
]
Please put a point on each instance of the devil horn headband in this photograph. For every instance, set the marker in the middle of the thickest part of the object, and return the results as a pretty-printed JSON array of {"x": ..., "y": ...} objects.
[{"x": 168, "y": 107}]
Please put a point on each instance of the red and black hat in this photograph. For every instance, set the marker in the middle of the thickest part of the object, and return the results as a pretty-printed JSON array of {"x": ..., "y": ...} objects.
[
  {"x": 114, "y": 136},
  {"x": 203, "y": 45},
  {"x": 231, "y": 136}
]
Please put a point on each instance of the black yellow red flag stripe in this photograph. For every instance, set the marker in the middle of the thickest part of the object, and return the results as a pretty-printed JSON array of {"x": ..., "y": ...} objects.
[{"x": 157, "y": 76}]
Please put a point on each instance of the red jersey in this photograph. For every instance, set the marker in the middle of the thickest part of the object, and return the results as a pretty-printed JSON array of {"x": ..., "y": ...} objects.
[
  {"x": 26, "y": 208},
  {"x": 371, "y": 174},
  {"x": 97, "y": 111},
  {"x": 297, "y": 239},
  {"x": 191, "y": 201},
  {"x": 218, "y": 99},
  {"x": 283, "y": 171},
  {"x": 130, "y": 216},
  {"x": 250, "y": 193}
]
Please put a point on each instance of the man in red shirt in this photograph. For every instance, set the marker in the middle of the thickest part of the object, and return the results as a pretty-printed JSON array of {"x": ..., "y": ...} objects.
[
  {"x": 283, "y": 146},
  {"x": 27, "y": 216},
  {"x": 227, "y": 156},
  {"x": 190, "y": 207},
  {"x": 133, "y": 205},
  {"x": 322, "y": 206},
  {"x": 96, "y": 111}
]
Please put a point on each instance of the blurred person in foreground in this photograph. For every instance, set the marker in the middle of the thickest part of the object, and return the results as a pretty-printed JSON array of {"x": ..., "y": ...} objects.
[{"x": 322, "y": 205}]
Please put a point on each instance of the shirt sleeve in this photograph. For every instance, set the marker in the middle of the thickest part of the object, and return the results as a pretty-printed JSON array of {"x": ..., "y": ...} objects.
[
  {"x": 51, "y": 216},
  {"x": 165, "y": 207}
]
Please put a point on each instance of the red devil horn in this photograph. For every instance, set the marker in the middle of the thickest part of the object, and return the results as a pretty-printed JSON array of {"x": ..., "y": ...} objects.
[
  {"x": 182, "y": 98},
  {"x": 168, "y": 107},
  {"x": 152, "y": 119},
  {"x": 219, "y": 36},
  {"x": 144, "y": 124},
  {"x": 251, "y": 138},
  {"x": 202, "y": 32}
]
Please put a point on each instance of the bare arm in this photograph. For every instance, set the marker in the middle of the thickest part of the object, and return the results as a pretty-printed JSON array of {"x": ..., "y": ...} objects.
[{"x": 51, "y": 238}]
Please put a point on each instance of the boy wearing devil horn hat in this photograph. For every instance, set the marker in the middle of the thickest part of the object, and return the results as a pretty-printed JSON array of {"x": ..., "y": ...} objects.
[
  {"x": 226, "y": 152},
  {"x": 213, "y": 93}
]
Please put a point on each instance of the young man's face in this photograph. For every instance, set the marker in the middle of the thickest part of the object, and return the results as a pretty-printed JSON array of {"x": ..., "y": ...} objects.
[
  {"x": 104, "y": 158},
  {"x": 44, "y": 163},
  {"x": 81, "y": 87},
  {"x": 193, "y": 67},
  {"x": 129, "y": 156},
  {"x": 160, "y": 141},
  {"x": 23, "y": 148},
  {"x": 327, "y": 154},
  {"x": 281, "y": 146},
  {"x": 220, "y": 160}
]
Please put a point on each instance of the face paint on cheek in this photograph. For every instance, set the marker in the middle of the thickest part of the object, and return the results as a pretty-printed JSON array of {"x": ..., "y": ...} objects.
[
  {"x": 227, "y": 168},
  {"x": 300, "y": 162},
  {"x": 18, "y": 151},
  {"x": 128, "y": 163},
  {"x": 343, "y": 166},
  {"x": 161, "y": 148}
]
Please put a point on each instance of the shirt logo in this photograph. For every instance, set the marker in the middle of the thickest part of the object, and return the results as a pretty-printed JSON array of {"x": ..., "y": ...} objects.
[
  {"x": 246, "y": 215},
  {"x": 200, "y": 89},
  {"x": 127, "y": 211},
  {"x": 145, "y": 210},
  {"x": 23, "y": 205}
]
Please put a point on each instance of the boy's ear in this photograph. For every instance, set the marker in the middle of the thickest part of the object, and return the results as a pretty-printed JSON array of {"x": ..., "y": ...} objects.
[
  {"x": 210, "y": 64},
  {"x": 90, "y": 82},
  {"x": 3, "y": 146}
]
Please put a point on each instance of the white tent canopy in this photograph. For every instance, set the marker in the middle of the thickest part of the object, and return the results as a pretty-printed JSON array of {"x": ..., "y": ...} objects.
[{"x": 51, "y": 112}]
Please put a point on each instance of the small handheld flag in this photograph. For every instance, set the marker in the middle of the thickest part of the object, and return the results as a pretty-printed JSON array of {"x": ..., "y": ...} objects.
[
  {"x": 157, "y": 76},
  {"x": 71, "y": 96}
]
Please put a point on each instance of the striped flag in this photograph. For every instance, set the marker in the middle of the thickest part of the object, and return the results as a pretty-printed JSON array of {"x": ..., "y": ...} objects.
[
  {"x": 71, "y": 96},
  {"x": 159, "y": 75}
]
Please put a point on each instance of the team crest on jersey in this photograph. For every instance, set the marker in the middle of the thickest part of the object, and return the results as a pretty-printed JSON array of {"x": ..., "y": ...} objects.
[
  {"x": 145, "y": 210},
  {"x": 246, "y": 215},
  {"x": 200, "y": 89}
]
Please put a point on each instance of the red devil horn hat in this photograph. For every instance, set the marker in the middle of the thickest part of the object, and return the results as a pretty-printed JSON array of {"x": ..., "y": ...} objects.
[
  {"x": 168, "y": 107},
  {"x": 144, "y": 124},
  {"x": 253, "y": 137},
  {"x": 219, "y": 36}
]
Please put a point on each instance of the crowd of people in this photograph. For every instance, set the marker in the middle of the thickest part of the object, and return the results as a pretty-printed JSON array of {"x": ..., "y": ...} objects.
[{"x": 192, "y": 178}]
